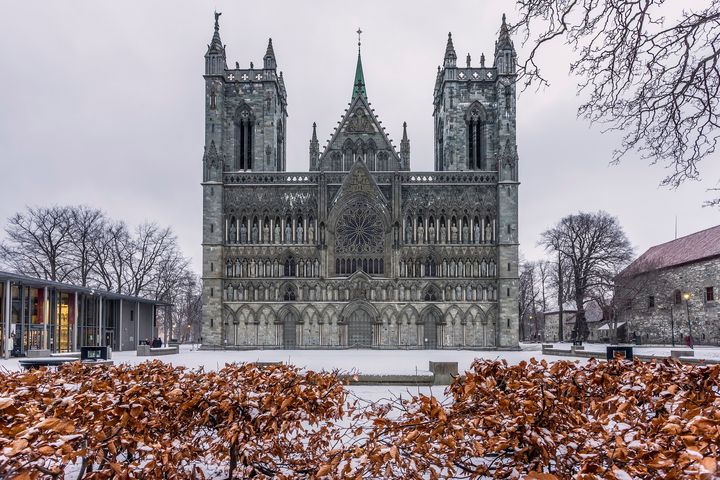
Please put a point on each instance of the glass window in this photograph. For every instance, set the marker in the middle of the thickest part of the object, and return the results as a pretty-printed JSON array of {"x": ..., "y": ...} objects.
[{"x": 709, "y": 294}]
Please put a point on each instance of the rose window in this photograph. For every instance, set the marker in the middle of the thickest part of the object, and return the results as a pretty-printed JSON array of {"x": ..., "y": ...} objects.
[{"x": 359, "y": 231}]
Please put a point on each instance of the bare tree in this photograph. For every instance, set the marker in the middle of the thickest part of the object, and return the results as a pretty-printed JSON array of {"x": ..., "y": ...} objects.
[
  {"x": 149, "y": 246},
  {"x": 111, "y": 256},
  {"x": 38, "y": 243},
  {"x": 86, "y": 229},
  {"x": 527, "y": 298},
  {"x": 594, "y": 245},
  {"x": 646, "y": 71}
]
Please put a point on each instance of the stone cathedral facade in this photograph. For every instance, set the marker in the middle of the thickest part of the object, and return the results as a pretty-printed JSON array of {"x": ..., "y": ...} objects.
[{"x": 360, "y": 251}]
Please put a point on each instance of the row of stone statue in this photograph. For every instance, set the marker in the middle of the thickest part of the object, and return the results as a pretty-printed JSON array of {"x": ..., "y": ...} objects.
[
  {"x": 457, "y": 235},
  {"x": 272, "y": 268},
  {"x": 256, "y": 236},
  {"x": 447, "y": 268},
  {"x": 401, "y": 293}
]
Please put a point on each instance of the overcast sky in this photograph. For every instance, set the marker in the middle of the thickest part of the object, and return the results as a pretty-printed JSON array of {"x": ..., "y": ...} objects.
[{"x": 102, "y": 103}]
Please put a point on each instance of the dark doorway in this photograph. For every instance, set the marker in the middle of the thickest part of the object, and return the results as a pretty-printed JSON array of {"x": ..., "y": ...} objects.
[
  {"x": 289, "y": 331},
  {"x": 360, "y": 329}
]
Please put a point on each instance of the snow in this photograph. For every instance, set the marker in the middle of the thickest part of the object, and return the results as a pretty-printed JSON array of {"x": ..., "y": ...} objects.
[
  {"x": 388, "y": 362},
  {"x": 701, "y": 351}
]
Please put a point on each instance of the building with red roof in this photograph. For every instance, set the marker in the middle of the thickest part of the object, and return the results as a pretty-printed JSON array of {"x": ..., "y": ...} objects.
[{"x": 670, "y": 293}]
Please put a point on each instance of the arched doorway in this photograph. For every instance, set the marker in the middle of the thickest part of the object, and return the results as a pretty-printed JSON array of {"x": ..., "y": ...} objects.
[
  {"x": 360, "y": 329},
  {"x": 289, "y": 321},
  {"x": 430, "y": 319}
]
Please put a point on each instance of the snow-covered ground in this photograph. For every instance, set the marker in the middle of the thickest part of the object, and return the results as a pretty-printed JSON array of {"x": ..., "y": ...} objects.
[
  {"x": 389, "y": 362},
  {"x": 398, "y": 362},
  {"x": 701, "y": 351}
]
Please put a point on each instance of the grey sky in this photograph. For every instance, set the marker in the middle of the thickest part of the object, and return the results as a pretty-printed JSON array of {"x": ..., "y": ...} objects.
[{"x": 102, "y": 103}]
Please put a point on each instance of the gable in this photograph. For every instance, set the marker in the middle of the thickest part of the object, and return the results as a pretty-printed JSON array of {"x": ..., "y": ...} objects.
[
  {"x": 359, "y": 130},
  {"x": 360, "y": 181}
]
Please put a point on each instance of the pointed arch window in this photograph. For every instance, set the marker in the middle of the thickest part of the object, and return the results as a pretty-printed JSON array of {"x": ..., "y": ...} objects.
[
  {"x": 244, "y": 121},
  {"x": 475, "y": 119}
]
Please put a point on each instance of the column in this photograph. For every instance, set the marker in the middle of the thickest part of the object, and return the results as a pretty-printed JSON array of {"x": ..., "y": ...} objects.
[
  {"x": 227, "y": 233},
  {"x": 98, "y": 339},
  {"x": 7, "y": 298},
  {"x": 137, "y": 325},
  {"x": 494, "y": 234},
  {"x": 414, "y": 230},
  {"x": 46, "y": 311},
  {"x": 237, "y": 230},
  {"x": 437, "y": 230},
  {"x": 305, "y": 230},
  {"x": 119, "y": 328},
  {"x": 426, "y": 230},
  {"x": 482, "y": 230},
  {"x": 293, "y": 231},
  {"x": 272, "y": 231},
  {"x": 471, "y": 237},
  {"x": 76, "y": 327},
  {"x": 282, "y": 230}
]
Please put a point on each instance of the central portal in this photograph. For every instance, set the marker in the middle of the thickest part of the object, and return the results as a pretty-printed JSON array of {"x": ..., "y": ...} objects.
[{"x": 360, "y": 329}]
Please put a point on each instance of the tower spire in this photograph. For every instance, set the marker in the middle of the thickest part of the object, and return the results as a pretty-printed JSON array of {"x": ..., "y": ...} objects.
[
  {"x": 359, "y": 84},
  {"x": 215, "y": 55},
  {"x": 450, "y": 55},
  {"x": 405, "y": 148},
  {"x": 505, "y": 57},
  {"x": 216, "y": 44},
  {"x": 269, "y": 58},
  {"x": 314, "y": 149}
]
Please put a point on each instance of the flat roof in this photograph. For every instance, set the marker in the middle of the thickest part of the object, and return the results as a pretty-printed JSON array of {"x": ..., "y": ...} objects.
[{"x": 40, "y": 282}]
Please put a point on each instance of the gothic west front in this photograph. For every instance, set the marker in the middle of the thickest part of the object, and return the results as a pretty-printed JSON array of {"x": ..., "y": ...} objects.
[{"x": 360, "y": 251}]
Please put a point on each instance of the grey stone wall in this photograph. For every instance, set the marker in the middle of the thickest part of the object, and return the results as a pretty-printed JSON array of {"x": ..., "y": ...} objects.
[{"x": 653, "y": 323}]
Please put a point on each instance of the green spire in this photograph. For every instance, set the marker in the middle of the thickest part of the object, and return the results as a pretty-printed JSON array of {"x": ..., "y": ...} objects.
[{"x": 359, "y": 84}]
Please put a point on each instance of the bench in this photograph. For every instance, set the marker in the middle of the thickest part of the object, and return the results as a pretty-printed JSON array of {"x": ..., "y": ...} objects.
[
  {"x": 148, "y": 351},
  {"x": 682, "y": 353},
  {"x": 33, "y": 363}
]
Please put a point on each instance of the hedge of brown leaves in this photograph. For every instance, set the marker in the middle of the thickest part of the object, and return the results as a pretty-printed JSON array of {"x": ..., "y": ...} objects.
[
  {"x": 615, "y": 420},
  {"x": 603, "y": 420},
  {"x": 158, "y": 421}
]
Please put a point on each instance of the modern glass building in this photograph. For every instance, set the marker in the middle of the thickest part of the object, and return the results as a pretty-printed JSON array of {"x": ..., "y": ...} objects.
[{"x": 39, "y": 314}]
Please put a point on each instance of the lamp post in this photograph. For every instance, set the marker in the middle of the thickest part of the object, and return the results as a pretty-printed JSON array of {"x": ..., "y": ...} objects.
[
  {"x": 686, "y": 297},
  {"x": 672, "y": 326}
]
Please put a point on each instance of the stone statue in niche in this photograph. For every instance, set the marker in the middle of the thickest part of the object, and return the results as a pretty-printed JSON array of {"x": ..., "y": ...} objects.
[
  {"x": 299, "y": 231},
  {"x": 454, "y": 233},
  {"x": 431, "y": 233},
  {"x": 443, "y": 233},
  {"x": 233, "y": 233},
  {"x": 277, "y": 233},
  {"x": 488, "y": 233},
  {"x": 288, "y": 233},
  {"x": 243, "y": 233},
  {"x": 420, "y": 234},
  {"x": 311, "y": 234},
  {"x": 476, "y": 231},
  {"x": 359, "y": 123},
  {"x": 408, "y": 233},
  {"x": 466, "y": 234},
  {"x": 255, "y": 233},
  {"x": 266, "y": 233}
]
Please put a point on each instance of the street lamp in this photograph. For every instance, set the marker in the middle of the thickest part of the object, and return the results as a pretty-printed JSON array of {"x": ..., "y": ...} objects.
[{"x": 686, "y": 297}]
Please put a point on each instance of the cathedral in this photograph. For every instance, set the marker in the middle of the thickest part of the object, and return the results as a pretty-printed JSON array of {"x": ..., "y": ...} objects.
[{"x": 360, "y": 251}]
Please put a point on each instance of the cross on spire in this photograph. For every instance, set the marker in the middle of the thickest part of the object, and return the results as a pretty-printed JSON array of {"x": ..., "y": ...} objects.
[{"x": 359, "y": 32}]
